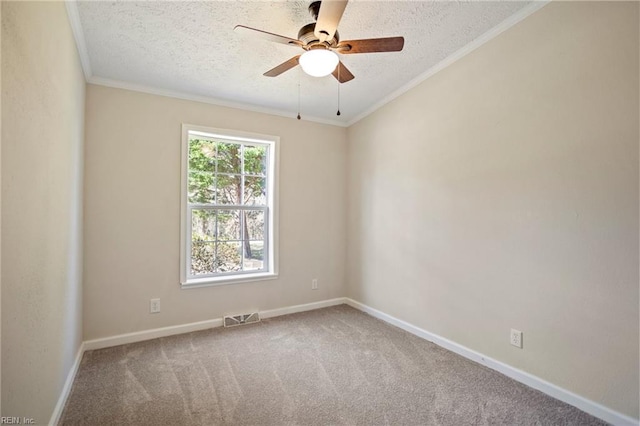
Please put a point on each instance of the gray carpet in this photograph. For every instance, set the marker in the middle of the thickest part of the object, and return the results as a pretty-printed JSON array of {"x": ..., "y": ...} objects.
[{"x": 333, "y": 366}]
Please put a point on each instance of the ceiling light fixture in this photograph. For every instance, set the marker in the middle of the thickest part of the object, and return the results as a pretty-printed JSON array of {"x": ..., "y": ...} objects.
[{"x": 319, "y": 62}]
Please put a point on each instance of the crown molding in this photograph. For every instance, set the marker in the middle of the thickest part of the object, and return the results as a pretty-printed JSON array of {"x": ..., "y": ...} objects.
[
  {"x": 81, "y": 45},
  {"x": 118, "y": 84},
  {"x": 464, "y": 51},
  {"x": 78, "y": 35},
  {"x": 76, "y": 26}
]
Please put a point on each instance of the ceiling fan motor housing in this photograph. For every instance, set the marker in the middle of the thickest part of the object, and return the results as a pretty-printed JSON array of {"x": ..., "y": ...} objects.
[{"x": 308, "y": 38}]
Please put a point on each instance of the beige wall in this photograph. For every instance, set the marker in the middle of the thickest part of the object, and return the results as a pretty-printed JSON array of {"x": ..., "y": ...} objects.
[
  {"x": 132, "y": 213},
  {"x": 42, "y": 133},
  {"x": 503, "y": 193}
]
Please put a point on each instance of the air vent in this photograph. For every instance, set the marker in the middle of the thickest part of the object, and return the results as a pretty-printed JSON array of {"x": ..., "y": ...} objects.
[{"x": 231, "y": 321}]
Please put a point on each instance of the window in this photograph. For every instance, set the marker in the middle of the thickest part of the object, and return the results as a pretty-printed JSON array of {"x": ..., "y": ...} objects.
[{"x": 228, "y": 209}]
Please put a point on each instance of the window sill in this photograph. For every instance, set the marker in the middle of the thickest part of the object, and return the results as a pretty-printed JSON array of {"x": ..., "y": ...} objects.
[{"x": 218, "y": 281}]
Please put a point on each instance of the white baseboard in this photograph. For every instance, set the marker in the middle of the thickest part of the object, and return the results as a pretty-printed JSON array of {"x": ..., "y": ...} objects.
[
  {"x": 140, "y": 336},
  {"x": 550, "y": 389},
  {"x": 588, "y": 406},
  {"x": 302, "y": 308},
  {"x": 66, "y": 389}
]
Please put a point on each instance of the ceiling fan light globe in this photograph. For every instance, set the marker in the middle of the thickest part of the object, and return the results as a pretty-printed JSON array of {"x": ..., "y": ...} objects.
[{"x": 319, "y": 62}]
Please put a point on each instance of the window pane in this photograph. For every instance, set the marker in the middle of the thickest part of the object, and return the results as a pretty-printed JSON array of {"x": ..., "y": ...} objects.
[
  {"x": 203, "y": 225},
  {"x": 201, "y": 188},
  {"x": 227, "y": 205},
  {"x": 202, "y": 256},
  {"x": 228, "y": 257},
  {"x": 202, "y": 155},
  {"x": 228, "y": 189},
  {"x": 229, "y": 158},
  {"x": 255, "y": 160},
  {"x": 254, "y": 255},
  {"x": 229, "y": 225},
  {"x": 254, "y": 191},
  {"x": 254, "y": 225}
]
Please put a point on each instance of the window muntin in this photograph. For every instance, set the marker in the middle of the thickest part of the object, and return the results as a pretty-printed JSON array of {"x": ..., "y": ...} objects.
[{"x": 228, "y": 206}]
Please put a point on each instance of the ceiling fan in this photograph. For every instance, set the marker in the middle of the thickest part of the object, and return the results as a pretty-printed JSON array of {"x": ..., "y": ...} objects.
[{"x": 321, "y": 42}]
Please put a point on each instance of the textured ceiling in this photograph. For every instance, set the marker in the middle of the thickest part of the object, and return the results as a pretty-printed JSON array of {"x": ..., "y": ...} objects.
[{"x": 191, "y": 48}]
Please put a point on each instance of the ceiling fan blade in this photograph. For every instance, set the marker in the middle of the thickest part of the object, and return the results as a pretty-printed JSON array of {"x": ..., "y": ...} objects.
[
  {"x": 342, "y": 73},
  {"x": 285, "y": 66},
  {"x": 388, "y": 44},
  {"x": 328, "y": 18},
  {"x": 248, "y": 31}
]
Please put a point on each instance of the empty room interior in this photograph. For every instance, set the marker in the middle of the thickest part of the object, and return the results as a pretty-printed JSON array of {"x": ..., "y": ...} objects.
[{"x": 320, "y": 213}]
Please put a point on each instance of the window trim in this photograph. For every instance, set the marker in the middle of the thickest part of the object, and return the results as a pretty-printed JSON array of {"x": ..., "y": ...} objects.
[{"x": 272, "y": 202}]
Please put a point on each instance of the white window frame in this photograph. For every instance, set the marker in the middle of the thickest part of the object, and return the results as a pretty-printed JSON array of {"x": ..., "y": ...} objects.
[{"x": 271, "y": 261}]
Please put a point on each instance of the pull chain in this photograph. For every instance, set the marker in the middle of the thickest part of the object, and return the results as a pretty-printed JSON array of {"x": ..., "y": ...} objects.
[
  {"x": 298, "y": 97},
  {"x": 339, "y": 83}
]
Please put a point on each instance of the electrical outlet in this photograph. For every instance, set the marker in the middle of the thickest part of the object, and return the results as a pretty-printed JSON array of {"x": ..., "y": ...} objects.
[
  {"x": 314, "y": 284},
  {"x": 154, "y": 306},
  {"x": 516, "y": 338}
]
